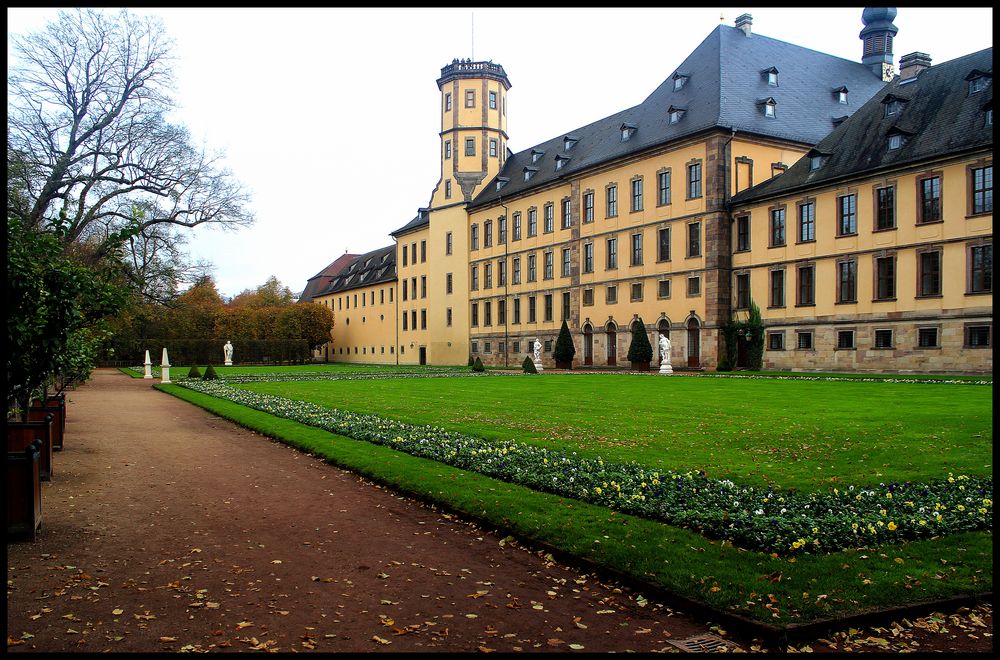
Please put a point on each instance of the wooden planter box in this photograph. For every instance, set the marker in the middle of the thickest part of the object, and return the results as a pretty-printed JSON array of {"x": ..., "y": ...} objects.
[
  {"x": 640, "y": 366},
  {"x": 24, "y": 492},
  {"x": 55, "y": 400},
  {"x": 21, "y": 434},
  {"x": 38, "y": 413}
]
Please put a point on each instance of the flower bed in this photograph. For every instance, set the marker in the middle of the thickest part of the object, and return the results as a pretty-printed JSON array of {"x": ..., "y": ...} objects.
[{"x": 776, "y": 521}]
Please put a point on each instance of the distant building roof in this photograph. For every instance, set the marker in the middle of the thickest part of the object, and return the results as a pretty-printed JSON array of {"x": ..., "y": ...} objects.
[
  {"x": 370, "y": 268},
  {"x": 423, "y": 218},
  {"x": 718, "y": 86},
  {"x": 940, "y": 116},
  {"x": 321, "y": 280}
]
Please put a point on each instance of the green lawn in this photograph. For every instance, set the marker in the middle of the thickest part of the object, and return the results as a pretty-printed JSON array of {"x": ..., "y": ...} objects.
[{"x": 788, "y": 433}]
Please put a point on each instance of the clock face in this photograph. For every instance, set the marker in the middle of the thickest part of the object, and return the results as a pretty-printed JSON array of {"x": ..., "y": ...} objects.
[{"x": 887, "y": 72}]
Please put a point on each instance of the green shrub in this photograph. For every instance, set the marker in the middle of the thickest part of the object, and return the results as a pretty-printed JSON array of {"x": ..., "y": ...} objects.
[
  {"x": 640, "y": 350},
  {"x": 471, "y": 361},
  {"x": 755, "y": 330},
  {"x": 478, "y": 365},
  {"x": 528, "y": 366},
  {"x": 194, "y": 372},
  {"x": 723, "y": 365},
  {"x": 565, "y": 350},
  {"x": 210, "y": 374}
]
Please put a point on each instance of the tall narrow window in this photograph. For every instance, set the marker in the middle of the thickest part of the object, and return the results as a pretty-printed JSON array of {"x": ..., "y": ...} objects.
[
  {"x": 501, "y": 272},
  {"x": 743, "y": 233},
  {"x": 474, "y": 237},
  {"x": 807, "y": 285},
  {"x": 447, "y": 102},
  {"x": 567, "y": 218},
  {"x": 449, "y": 283},
  {"x": 532, "y": 268},
  {"x": 663, "y": 188},
  {"x": 448, "y": 243},
  {"x": 531, "y": 309},
  {"x": 501, "y": 312},
  {"x": 470, "y": 146},
  {"x": 929, "y": 273},
  {"x": 588, "y": 257},
  {"x": 493, "y": 100},
  {"x": 663, "y": 244},
  {"x": 742, "y": 290},
  {"x": 475, "y": 314},
  {"x": 637, "y": 194},
  {"x": 487, "y": 276},
  {"x": 474, "y": 279},
  {"x": 885, "y": 208},
  {"x": 532, "y": 222},
  {"x": 447, "y": 149},
  {"x": 548, "y": 306},
  {"x": 567, "y": 255},
  {"x": 423, "y": 251},
  {"x": 982, "y": 189},
  {"x": 847, "y": 281},
  {"x": 885, "y": 278},
  {"x": 588, "y": 206},
  {"x": 778, "y": 288},
  {"x": 548, "y": 264},
  {"x": 694, "y": 181},
  {"x": 516, "y": 275},
  {"x": 502, "y": 230},
  {"x": 549, "y": 218},
  {"x": 612, "y": 199},
  {"x": 930, "y": 199},
  {"x": 612, "y": 253},
  {"x": 516, "y": 228},
  {"x": 488, "y": 233},
  {"x": 487, "y": 313},
  {"x": 807, "y": 222},
  {"x": 777, "y": 227},
  {"x": 847, "y": 215},
  {"x": 470, "y": 98},
  {"x": 981, "y": 268},
  {"x": 565, "y": 306},
  {"x": 636, "y": 249},
  {"x": 694, "y": 239},
  {"x": 493, "y": 148}
]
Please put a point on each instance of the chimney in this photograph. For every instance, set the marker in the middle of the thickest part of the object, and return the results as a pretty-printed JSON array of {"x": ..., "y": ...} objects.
[
  {"x": 911, "y": 65},
  {"x": 743, "y": 22}
]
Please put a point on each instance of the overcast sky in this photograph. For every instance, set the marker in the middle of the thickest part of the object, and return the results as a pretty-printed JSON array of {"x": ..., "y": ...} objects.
[{"x": 330, "y": 117}]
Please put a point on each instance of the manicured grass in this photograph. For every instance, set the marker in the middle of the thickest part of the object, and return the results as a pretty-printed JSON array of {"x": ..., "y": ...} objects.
[
  {"x": 803, "y": 434},
  {"x": 756, "y": 585}
]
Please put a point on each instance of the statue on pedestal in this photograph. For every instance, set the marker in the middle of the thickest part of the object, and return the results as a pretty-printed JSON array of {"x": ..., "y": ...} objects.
[
  {"x": 538, "y": 352},
  {"x": 227, "y": 351},
  {"x": 665, "y": 367}
]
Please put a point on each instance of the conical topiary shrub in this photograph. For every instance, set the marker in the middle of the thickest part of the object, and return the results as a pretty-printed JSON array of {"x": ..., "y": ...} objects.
[
  {"x": 640, "y": 351},
  {"x": 565, "y": 350},
  {"x": 194, "y": 372},
  {"x": 471, "y": 361},
  {"x": 210, "y": 374},
  {"x": 528, "y": 366},
  {"x": 478, "y": 365}
]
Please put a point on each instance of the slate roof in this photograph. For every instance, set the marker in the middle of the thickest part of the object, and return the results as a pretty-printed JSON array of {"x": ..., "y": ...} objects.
[
  {"x": 321, "y": 280},
  {"x": 370, "y": 268},
  {"x": 726, "y": 83},
  {"x": 422, "y": 219},
  {"x": 939, "y": 117}
]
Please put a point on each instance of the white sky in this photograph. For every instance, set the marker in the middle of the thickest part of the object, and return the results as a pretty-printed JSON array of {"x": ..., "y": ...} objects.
[{"x": 330, "y": 116}]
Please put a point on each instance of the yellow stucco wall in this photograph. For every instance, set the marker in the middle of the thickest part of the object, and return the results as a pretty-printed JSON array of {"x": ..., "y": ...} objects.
[{"x": 364, "y": 324}]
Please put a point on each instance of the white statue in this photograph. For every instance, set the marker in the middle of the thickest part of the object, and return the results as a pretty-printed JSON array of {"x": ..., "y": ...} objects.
[
  {"x": 538, "y": 351},
  {"x": 665, "y": 367},
  {"x": 227, "y": 350}
]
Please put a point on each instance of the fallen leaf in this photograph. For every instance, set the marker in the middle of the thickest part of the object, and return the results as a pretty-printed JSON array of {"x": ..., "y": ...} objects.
[
  {"x": 275, "y": 561},
  {"x": 243, "y": 624},
  {"x": 380, "y": 640},
  {"x": 168, "y": 639},
  {"x": 117, "y": 611},
  {"x": 576, "y": 647}
]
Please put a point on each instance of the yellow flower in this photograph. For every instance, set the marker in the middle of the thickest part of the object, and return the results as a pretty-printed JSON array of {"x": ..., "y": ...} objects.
[
  {"x": 923, "y": 522},
  {"x": 961, "y": 507},
  {"x": 598, "y": 490},
  {"x": 888, "y": 496},
  {"x": 891, "y": 526}
]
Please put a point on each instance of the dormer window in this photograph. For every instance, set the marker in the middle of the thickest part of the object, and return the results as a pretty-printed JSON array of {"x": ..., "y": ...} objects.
[
  {"x": 837, "y": 121},
  {"x": 978, "y": 80},
  {"x": 536, "y": 155},
  {"x": 569, "y": 141},
  {"x": 771, "y": 75},
  {"x": 817, "y": 158},
  {"x": 841, "y": 95},
  {"x": 767, "y": 107},
  {"x": 893, "y": 105},
  {"x": 561, "y": 161},
  {"x": 675, "y": 114},
  {"x": 895, "y": 141},
  {"x": 502, "y": 181},
  {"x": 627, "y": 131},
  {"x": 679, "y": 80},
  {"x": 529, "y": 172}
]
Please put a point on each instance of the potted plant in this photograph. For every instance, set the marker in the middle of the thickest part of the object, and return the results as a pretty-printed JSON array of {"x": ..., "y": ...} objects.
[{"x": 640, "y": 351}]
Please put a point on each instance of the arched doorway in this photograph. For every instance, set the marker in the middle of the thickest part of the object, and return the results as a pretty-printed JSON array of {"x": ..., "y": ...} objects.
[
  {"x": 612, "y": 331},
  {"x": 662, "y": 328},
  {"x": 588, "y": 344},
  {"x": 694, "y": 342}
]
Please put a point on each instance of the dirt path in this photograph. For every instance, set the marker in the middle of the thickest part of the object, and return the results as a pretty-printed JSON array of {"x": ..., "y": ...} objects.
[{"x": 168, "y": 529}]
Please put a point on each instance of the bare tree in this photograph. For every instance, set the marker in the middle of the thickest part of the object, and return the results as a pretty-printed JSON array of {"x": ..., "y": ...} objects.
[
  {"x": 88, "y": 142},
  {"x": 156, "y": 264}
]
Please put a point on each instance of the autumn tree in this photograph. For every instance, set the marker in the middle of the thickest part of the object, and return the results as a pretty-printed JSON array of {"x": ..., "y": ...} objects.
[{"x": 271, "y": 293}]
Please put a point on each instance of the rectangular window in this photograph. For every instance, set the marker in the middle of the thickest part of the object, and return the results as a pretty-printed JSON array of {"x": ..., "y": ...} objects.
[
  {"x": 487, "y": 313},
  {"x": 694, "y": 286},
  {"x": 517, "y": 312},
  {"x": 565, "y": 306},
  {"x": 663, "y": 188},
  {"x": 502, "y": 230},
  {"x": 929, "y": 273},
  {"x": 663, "y": 289},
  {"x": 885, "y": 208},
  {"x": 847, "y": 215},
  {"x": 930, "y": 199},
  {"x": 883, "y": 338},
  {"x": 423, "y": 319},
  {"x": 982, "y": 189},
  {"x": 588, "y": 257},
  {"x": 448, "y": 283},
  {"x": 567, "y": 218},
  {"x": 611, "y": 294},
  {"x": 612, "y": 199},
  {"x": 474, "y": 282},
  {"x": 405, "y": 253},
  {"x": 981, "y": 268},
  {"x": 423, "y": 286},
  {"x": 447, "y": 102},
  {"x": 845, "y": 339},
  {"x": 516, "y": 229},
  {"x": 927, "y": 338},
  {"x": 532, "y": 268},
  {"x": 694, "y": 181},
  {"x": 474, "y": 237},
  {"x": 549, "y": 218},
  {"x": 405, "y": 291},
  {"x": 501, "y": 312},
  {"x": 532, "y": 222},
  {"x": 588, "y": 297},
  {"x": 694, "y": 239},
  {"x": 488, "y": 233},
  {"x": 501, "y": 272},
  {"x": 493, "y": 147},
  {"x": 487, "y": 276},
  {"x": 470, "y": 98},
  {"x": 470, "y": 146},
  {"x": 493, "y": 100},
  {"x": 447, "y": 243},
  {"x": 978, "y": 336},
  {"x": 885, "y": 278},
  {"x": 743, "y": 291},
  {"x": 567, "y": 255},
  {"x": 636, "y": 292},
  {"x": 807, "y": 222},
  {"x": 637, "y": 194},
  {"x": 588, "y": 206},
  {"x": 548, "y": 264},
  {"x": 777, "y": 227},
  {"x": 743, "y": 233},
  {"x": 847, "y": 281},
  {"x": 548, "y": 306},
  {"x": 475, "y": 314},
  {"x": 612, "y": 253},
  {"x": 447, "y": 316},
  {"x": 776, "y": 341},
  {"x": 516, "y": 278},
  {"x": 807, "y": 285},
  {"x": 804, "y": 340},
  {"x": 636, "y": 249},
  {"x": 531, "y": 309},
  {"x": 406, "y": 320},
  {"x": 447, "y": 149},
  {"x": 777, "y": 288},
  {"x": 663, "y": 244}
]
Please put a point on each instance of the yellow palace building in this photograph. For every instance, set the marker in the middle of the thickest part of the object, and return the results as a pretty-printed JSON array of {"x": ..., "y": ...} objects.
[{"x": 660, "y": 214}]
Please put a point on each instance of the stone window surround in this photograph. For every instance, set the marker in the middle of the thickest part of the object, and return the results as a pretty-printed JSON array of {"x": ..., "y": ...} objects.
[
  {"x": 799, "y": 267},
  {"x": 770, "y": 225},
  {"x": 977, "y": 324},
  {"x": 970, "y": 183},
  {"x": 854, "y": 299},
  {"x": 770, "y": 287},
  {"x": 775, "y": 333},
  {"x": 798, "y": 220},
  {"x": 920, "y": 251},
  {"x": 701, "y": 181},
  {"x": 812, "y": 339},
  {"x": 850, "y": 190},
  {"x": 937, "y": 337},
  {"x": 892, "y": 339},
  {"x": 884, "y": 254},
  {"x": 920, "y": 178},
  {"x": 670, "y": 177},
  {"x": 885, "y": 183},
  {"x": 979, "y": 242},
  {"x": 736, "y": 228},
  {"x": 632, "y": 195},
  {"x": 854, "y": 340}
]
